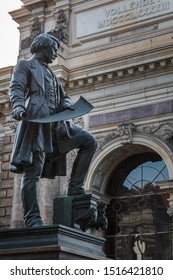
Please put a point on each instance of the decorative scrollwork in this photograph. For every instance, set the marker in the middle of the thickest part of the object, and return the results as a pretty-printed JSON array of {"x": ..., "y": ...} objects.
[{"x": 161, "y": 130}]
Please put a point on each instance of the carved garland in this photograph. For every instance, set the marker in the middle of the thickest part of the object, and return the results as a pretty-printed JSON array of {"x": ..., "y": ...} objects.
[{"x": 125, "y": 133}]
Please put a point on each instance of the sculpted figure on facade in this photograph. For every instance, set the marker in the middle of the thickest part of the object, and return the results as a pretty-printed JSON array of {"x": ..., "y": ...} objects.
[
  {"x": 126, "y": 132},
  {"x": 36, "y": 27},
  {"x": 61, "y": 27},
  {"x": 40, "y": 149}
]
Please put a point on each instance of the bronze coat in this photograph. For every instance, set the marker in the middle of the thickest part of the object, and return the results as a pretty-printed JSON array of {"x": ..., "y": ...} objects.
[{"x": 29, "y": 88}]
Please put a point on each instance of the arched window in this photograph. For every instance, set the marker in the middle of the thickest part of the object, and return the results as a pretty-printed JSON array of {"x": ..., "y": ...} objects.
[
  {"x": 147, "y": 172},
  {"x": 138, "y": 223}
]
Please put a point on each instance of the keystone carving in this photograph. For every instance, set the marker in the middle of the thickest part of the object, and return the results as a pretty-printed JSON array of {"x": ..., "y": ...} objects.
[{"x": 126, "y": 132}]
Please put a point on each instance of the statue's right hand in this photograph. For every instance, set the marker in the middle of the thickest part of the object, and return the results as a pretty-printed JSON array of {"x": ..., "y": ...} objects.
[{"x": 19, "y": 113}]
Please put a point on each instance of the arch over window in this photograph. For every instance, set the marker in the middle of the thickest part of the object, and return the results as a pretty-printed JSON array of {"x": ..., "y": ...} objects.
[
  {"x": 137, "y": 170},
  {"x": 138, "y": 223}
]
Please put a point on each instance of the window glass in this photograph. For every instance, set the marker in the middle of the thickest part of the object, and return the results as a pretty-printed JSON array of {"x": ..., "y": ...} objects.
[{"x": 147, "y": 172}]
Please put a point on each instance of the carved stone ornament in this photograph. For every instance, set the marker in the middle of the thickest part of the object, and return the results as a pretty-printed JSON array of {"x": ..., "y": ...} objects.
[
  {"x": 79, "y": 122},
  {"x": 36, "y": 27},
  {"x": 126, "y": 132},
  {"x": 163, "y": 131},
  {"x": 61, "y": 28},
  {"x": 35, "y": 30},
  {"x": 59, "y": 32}
]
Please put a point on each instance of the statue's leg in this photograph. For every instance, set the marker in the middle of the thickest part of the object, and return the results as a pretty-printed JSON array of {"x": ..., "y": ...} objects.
[
  {"x": 87, "y": 145},
  {"x": 29, "y": 188}
]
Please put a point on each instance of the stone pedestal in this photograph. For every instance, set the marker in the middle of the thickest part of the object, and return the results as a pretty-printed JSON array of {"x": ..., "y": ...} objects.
[
  {"x": 81, "y": 211},
  {"x": 50, "y": 243}
]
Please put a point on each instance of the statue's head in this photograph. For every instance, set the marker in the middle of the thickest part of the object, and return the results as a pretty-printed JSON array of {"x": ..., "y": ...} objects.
[{"x": 45, "y": 46}]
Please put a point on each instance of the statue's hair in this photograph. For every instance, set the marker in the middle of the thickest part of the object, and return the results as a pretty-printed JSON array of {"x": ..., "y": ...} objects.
[{"x": 41, "y": 41}]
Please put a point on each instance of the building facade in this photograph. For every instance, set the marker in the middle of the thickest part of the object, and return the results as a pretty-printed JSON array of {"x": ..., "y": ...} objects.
[{"x": 118, "y": 55}]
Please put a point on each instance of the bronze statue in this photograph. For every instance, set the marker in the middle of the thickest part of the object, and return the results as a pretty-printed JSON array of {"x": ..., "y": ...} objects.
[{"x": 40, "y": 149}]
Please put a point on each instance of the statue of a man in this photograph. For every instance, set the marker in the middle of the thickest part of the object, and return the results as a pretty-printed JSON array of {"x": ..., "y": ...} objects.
[{"x": 40, "y": 149}]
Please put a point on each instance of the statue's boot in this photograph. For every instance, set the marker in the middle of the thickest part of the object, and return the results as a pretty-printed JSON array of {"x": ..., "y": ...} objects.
[
  {"x": 30, "y": 203},
  {"x": 29, "y": 189}
]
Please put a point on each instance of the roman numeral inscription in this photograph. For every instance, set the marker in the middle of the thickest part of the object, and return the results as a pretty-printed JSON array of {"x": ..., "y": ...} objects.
[{"x": 120, "y": 14}]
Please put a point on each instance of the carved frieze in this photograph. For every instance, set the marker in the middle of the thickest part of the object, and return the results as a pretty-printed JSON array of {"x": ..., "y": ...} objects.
[
  {"x": 102, "y": 138},
  {"x": 126, "y": 131},
  {"x": 162, "y": 130}
]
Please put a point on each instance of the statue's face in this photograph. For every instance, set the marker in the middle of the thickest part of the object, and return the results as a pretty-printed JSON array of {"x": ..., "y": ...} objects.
[{"x": 50, "y": 53}]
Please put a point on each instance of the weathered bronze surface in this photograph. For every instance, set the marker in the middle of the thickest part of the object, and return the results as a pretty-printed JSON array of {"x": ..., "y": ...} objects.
[{"x": 40, "y": 148}]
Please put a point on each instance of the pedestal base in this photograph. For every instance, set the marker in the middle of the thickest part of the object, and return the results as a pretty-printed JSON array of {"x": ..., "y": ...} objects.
[
  {"x": 80, "y": 211},
  {"x": 57, "y": 242}
]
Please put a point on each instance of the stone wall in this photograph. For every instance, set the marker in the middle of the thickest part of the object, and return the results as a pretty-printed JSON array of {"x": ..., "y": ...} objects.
[
  {"x": 6, "y": 140},
  {"x": 6, "y": 183}
]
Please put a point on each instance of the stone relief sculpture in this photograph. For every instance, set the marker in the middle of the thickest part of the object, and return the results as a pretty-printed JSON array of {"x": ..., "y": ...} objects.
[
  {"x": 126, "y": 132},
  {"x": 62, "y": 26},
  {"x": 36, "y": 29}
]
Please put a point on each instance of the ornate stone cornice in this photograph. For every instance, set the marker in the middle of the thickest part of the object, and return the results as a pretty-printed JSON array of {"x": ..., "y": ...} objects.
[
  {"x": 104, "y": 77},
  {"x": 115, "y": 75},
  {"x": 112, "y": 76},
  {"x": 20, "y": 14},
  {"x": 31, "y": 4}
]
